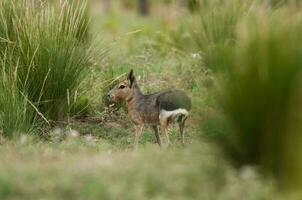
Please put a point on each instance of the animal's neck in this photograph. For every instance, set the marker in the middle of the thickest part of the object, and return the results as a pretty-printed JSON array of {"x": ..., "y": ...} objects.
[
  {"x": 133, "y": 100},
  {"x": 136, "y": 93}
]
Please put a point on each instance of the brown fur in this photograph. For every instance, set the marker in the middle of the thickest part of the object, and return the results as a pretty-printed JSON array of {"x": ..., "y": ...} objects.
[{"x": 143, "y": 109}]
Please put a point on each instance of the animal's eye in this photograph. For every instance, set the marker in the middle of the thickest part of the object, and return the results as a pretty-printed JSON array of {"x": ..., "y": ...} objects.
[{"x": 122, "y": 86}]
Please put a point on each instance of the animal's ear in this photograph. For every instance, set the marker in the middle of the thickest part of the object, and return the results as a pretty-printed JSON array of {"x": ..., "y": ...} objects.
[{"x": 131, "y": 78}]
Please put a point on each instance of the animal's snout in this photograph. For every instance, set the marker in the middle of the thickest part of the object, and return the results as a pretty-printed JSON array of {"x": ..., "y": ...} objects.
[{"x": 109, "y": 97}]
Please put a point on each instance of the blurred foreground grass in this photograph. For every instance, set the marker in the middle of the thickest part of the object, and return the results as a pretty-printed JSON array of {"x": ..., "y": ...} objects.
[{"x": 82, "y": 168}]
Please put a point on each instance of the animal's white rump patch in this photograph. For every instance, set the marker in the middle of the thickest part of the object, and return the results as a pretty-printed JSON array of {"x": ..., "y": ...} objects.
[{"x": 165, "y": 114}]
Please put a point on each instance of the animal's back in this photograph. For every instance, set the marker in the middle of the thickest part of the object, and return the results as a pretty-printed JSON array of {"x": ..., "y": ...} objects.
[{"x": 174, "y": 99}]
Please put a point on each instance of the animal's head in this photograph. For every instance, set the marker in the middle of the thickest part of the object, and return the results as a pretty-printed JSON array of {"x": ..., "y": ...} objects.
[{"x": 123, "y": 90}]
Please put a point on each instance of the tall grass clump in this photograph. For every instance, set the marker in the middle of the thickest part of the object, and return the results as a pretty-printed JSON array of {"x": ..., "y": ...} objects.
[
  {"x": 261, "y": 94},
  {"x": 214, "y": 28},
  {"x": 255, "y": 54},
  {"x": 52, "y": 51},
  {"x": 50, "y": 42}
]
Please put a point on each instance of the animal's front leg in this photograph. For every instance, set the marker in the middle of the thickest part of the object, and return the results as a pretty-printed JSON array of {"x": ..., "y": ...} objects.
[
  {"x": 155, "y": 128},
  {"x": 138, "y": 133}
]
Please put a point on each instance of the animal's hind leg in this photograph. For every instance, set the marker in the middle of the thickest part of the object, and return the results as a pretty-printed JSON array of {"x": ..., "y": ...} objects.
[
  {"x": 164, "y": 131},
  {"x": 181, "y": 124},
  {"x": 155, "y": 128},
  {"x": 164, "y": 122}
]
